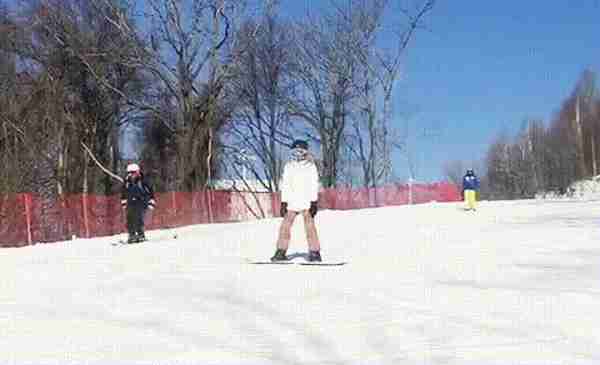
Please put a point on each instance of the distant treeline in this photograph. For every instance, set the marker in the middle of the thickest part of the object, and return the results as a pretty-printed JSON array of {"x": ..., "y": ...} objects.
[{"x": 544, "y": 156}]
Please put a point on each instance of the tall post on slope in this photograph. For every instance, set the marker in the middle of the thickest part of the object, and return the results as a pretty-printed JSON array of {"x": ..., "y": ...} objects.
[
  {"x": 580, "y": 160},
  {"x": 410, "y": 195}
]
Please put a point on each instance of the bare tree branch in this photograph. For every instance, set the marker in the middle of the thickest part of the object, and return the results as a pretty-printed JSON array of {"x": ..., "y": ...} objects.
[{"x": 106, "y": 171}]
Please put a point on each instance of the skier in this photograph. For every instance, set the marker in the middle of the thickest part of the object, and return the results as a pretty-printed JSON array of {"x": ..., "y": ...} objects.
[
  {"x": 470, "y": 188},
  {"x": 136, "y": 197},
  {"x": 299, "y": 195}
]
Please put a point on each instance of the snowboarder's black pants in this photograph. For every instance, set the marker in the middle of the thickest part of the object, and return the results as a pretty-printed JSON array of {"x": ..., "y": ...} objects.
[{"x": 135, "y": 219}]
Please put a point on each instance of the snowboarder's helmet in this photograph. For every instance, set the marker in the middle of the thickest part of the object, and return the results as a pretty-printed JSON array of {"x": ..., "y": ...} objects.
[
  {"x": 133, "y": 167},
  {"x": 300, "y": 143}
]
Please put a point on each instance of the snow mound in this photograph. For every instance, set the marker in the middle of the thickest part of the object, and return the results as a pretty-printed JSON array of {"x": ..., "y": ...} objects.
[{"x": 585, "y": 190}]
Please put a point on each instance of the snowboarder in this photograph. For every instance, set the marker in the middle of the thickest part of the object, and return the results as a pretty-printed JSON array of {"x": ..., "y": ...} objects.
[
  {"x": 136, "y": 197},
  {"x": 470, "y": 188},
  {"x": 299, "y": 195}
]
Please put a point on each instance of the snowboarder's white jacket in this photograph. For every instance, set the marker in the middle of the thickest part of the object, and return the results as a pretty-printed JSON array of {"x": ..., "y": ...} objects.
[{"x": 299, "y": 184}]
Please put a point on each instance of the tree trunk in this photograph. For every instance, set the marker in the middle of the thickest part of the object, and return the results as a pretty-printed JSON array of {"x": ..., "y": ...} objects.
[
  {"x": 385, "y": 143},
  {"x": 594, "y": 164},
  {"x": 579, "y": 143},
  {"x": 61, "y": 164}
]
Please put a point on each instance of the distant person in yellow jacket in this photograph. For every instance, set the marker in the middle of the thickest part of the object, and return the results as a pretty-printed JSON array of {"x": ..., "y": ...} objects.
[{"x": 470, "y": 188}]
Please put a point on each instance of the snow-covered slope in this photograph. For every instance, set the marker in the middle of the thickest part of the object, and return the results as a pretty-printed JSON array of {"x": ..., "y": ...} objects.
[{"x": 513, "y": 283}]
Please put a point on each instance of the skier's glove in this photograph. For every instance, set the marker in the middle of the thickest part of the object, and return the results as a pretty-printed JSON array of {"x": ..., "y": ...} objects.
[
  {"x": 151, "y": 204},
  {"x": 313, "y": 209},
  {"x": 283, "y": 209},
  {"x": 123, "y": 203}
]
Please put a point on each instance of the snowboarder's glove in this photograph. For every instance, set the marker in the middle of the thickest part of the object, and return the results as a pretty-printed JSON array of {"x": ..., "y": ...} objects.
[
  {"x": 283, "y": 209},
  {"x": 313, "y": 209},
  {"x": 151, "y": 204}
]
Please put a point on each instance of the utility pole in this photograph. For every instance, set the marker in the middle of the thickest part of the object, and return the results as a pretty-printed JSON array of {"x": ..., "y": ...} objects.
[
  {"x": 587, "y": 100},
  {"x": 593, "y": 143},
  {"x": 410, "y": 195},
  {"x": 580, "y": 161}
]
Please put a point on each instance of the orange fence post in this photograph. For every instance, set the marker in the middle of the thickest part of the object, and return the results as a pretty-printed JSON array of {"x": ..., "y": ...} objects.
[
  {"x": 27, "y": 202},
  {"x": 174, "y": 207},
  {"x": 86, "y": 223},
  {"x": 209, "y": 202}
]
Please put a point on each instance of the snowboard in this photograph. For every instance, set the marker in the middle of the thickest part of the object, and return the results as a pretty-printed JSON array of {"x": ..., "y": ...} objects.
[
  {"x": 272, "y": 262},
  {"x": 306, "y": 263},
  {"x": 322, "y": 263}
]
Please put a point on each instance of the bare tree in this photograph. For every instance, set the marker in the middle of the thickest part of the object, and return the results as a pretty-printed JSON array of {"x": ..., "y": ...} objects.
[
  {"x": 586, "y": 94},
  {"x": 65, "y": 47},
  {"x": 10, "y": 177},
  {"x": 183, "y": 44},
  {"x": 263, "y": 84},
  {"x": 390, "y": 62},
  {"x": 186, "y": 51},
  {"x": 454, "y": 171},
  {"x": 325, "y": 67},
  {"x": 549, "y": 158},
  {"x": 342, "y": 71},
  {"x": 499, "y": 173},
  {"x": 367, "y": 133},
  {"x": 534, "y": 150}
]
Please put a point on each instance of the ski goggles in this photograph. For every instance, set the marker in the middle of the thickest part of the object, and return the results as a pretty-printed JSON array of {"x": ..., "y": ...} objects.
[{"x": 299, "y": 153}]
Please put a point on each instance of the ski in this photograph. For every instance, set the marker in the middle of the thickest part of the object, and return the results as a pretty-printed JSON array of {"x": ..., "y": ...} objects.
[{"x": 123, "y": 242}]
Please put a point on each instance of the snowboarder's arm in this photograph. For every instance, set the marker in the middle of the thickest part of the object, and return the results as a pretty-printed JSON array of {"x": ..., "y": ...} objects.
[
  {"x": 313, "y": 184},
  {"x": 284, "y": 184}
]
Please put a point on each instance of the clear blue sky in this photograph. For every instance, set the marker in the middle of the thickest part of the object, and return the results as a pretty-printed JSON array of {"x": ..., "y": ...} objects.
[{"x": 484, "y": 67}]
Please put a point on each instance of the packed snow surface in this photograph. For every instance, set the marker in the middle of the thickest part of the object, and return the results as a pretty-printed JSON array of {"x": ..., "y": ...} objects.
[{"x": 513, "y": 283}]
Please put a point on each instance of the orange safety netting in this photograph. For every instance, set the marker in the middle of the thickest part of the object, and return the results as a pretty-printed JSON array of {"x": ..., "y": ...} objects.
[{"x": 27, "y": 219}]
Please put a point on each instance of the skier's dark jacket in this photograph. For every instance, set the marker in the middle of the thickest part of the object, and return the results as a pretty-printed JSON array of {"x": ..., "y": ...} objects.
[
  {"x": 136, "y": 191},
  {"x": 470, "y": 182}
]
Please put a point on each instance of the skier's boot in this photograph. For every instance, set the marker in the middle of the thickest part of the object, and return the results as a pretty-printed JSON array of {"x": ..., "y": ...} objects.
[
  {"x": 141, "y": 237},
  {"x": 132, "y": 238},
  {"x": 314, "y": 256},
  {"x": 279, "y": 255}
]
